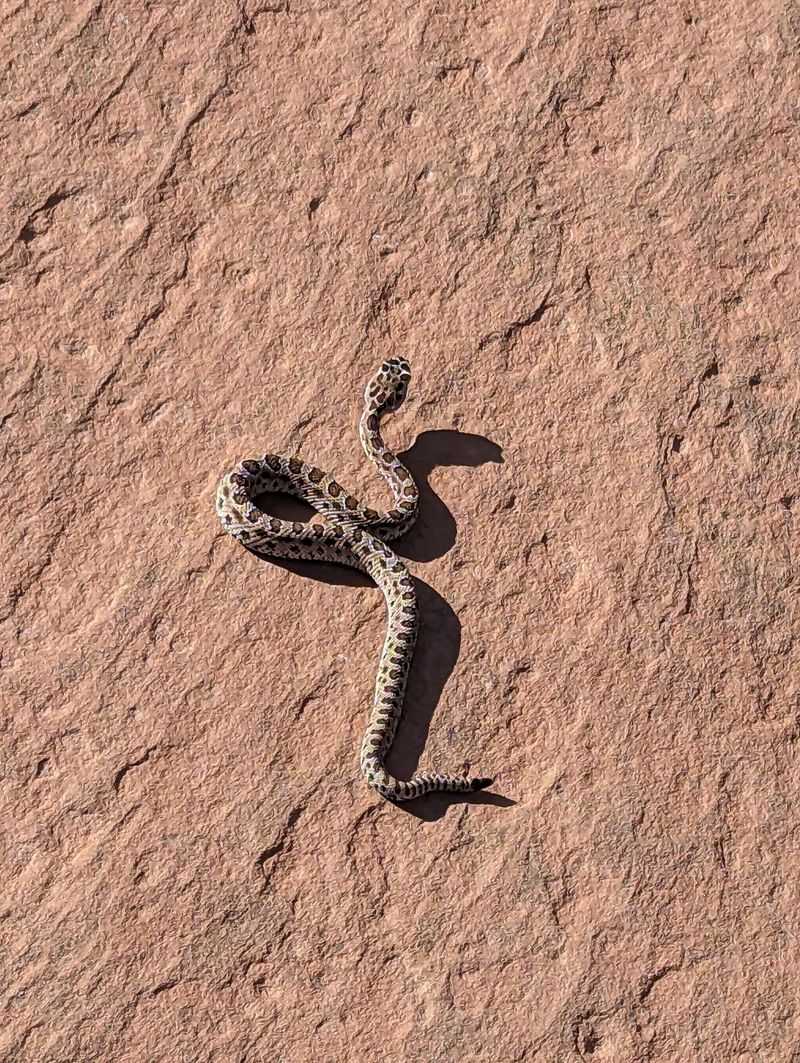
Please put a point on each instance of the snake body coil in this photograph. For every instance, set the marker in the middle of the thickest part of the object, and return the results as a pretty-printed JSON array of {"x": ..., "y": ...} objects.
[{"x": 346, "y": 532}]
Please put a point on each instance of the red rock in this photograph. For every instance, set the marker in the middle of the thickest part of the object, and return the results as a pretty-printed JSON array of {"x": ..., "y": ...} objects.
[{"x": 578, "y": 223}]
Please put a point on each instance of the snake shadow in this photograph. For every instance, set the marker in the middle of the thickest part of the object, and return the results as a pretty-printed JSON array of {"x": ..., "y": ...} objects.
[
  {"x": 434, "y": 532},
  {"x": 439, "y": 644}
]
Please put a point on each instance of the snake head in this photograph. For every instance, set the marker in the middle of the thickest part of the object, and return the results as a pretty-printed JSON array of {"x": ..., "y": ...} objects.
[{"x": 387, "y": 388}]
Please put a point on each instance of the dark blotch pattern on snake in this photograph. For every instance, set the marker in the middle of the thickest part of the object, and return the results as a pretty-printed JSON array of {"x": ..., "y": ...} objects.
[{"x": 346, "y": 532}]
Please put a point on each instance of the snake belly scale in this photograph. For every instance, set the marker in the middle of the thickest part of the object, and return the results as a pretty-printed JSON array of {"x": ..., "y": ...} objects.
[{"x": 345, "y": 532}]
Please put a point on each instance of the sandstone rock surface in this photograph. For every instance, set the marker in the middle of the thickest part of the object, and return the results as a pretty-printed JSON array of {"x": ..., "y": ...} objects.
[{"x": 578, "y": 221}]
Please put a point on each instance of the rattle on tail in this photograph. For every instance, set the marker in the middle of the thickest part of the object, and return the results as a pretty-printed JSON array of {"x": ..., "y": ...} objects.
[{"x": 346, "y": 532}]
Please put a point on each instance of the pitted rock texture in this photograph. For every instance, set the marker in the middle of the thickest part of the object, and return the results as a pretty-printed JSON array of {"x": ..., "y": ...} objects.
[{"x": 578, "y": 222}]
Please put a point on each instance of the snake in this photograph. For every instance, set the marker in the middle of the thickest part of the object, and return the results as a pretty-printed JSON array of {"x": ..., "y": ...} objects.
[{"x": 344, "y": 531}]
